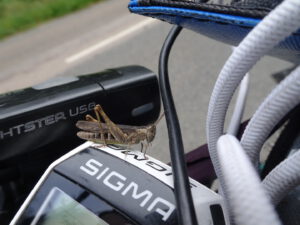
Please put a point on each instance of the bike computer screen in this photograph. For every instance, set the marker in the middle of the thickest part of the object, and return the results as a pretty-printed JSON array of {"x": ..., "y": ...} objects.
[
  {"x": 59, "y": 208},
  {"x": 67, "y": 203}
]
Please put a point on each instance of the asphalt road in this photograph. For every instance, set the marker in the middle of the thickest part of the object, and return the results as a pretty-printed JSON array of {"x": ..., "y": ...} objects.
[{"x": 107, "y": 35}]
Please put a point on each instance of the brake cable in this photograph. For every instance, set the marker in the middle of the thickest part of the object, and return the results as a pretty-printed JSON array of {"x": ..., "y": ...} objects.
[{"x": 185, "y": 206}]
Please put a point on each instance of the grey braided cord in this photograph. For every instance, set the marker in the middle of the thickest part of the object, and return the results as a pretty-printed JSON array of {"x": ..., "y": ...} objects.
[
  {"x": 283, "y": 178},
  {"x": 281, "y": 100},
  {"x": 247, "y": 200},
  {"x": 279, "y": 24}
]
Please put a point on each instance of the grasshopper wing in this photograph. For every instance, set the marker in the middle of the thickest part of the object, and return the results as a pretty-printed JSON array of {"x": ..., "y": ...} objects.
[
  {"x": 94, "y": 127},
  {"x": 90, "y": 126}
]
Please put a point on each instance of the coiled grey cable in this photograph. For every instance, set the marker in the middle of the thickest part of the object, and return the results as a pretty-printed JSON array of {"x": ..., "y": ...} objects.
[
  {"x": 281, "y": 100},
  {"x": 239, "y": 107},
  {"x": 283, "y": 178},
  {"x": 276, "y": 26},
  {"x": 248, "y": 203}
]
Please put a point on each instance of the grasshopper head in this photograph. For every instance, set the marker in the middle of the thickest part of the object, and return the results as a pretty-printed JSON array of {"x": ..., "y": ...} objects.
[{"x": 151, "y": 133}]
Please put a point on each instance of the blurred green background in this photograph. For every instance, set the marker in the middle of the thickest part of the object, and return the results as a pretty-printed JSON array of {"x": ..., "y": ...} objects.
[{"x": 18, "y": 15}]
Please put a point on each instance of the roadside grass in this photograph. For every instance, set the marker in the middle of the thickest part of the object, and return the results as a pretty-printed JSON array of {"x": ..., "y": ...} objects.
[{"x": 18, "y": 15}]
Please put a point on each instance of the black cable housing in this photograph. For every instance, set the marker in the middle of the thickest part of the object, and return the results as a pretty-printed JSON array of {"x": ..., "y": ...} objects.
[{"x": 185, "y": 206}]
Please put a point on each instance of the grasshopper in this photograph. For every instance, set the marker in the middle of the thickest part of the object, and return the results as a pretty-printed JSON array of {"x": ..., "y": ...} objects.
[{"x": 108, "y": 132}]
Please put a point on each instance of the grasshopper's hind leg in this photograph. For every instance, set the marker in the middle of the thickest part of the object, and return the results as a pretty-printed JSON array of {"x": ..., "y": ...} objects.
[
  {"x": 102, "y": 133},
  {"x": 98, "y": 120},
  {"x": 90, "y": 118},
  {"x": 118, "y": 134}
]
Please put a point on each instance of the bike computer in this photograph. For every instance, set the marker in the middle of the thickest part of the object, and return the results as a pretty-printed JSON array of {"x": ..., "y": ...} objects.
[{"x": 100, "y": 185}]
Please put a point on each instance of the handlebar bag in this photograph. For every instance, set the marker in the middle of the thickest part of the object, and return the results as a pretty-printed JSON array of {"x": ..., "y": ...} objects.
[{"x": 229, "y": 22}]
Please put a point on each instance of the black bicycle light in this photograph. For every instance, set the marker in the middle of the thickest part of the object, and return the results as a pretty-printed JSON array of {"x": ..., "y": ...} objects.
[{"x": 46, "y": 113}]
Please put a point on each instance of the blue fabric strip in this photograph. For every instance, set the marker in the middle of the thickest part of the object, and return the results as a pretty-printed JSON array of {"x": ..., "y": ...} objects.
[{"x": 217, "y": 17}]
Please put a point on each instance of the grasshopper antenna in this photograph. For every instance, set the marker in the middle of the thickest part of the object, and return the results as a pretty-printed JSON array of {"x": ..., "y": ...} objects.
[{"x": 159, "y": 119}]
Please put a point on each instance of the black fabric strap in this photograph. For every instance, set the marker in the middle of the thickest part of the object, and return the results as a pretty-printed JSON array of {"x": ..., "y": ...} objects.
[{"x": 249, "y": 8}]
